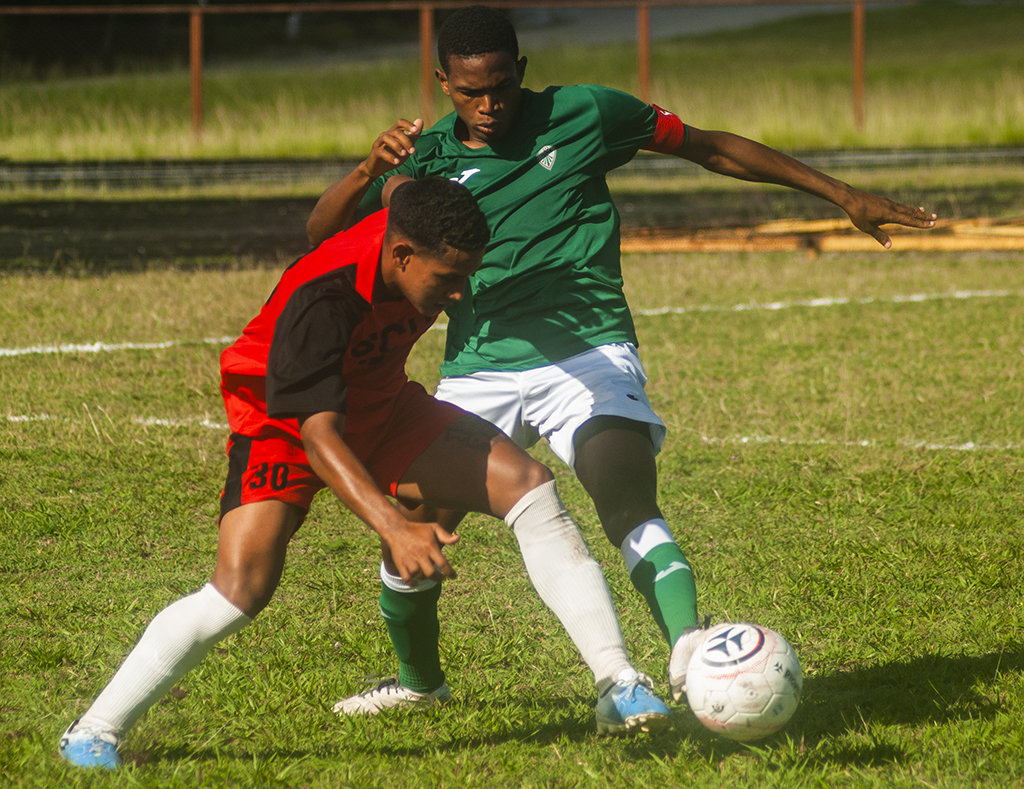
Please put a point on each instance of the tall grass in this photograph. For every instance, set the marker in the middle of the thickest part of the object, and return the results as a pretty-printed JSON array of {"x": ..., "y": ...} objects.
[
  {"x": 937, "y": 75},
  {"x": 248, "y": 112}
]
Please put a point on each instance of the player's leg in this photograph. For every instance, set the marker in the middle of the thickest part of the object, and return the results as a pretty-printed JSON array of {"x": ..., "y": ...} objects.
[
  {"x": 615, "y": 463},
  {"x": 250, "y": 558},
  {"x": 475, "y": 467},
  {"x": 595, "y": 415},
  {"x": 409, "y": 610},
  {"x": 251, "y": 546}
]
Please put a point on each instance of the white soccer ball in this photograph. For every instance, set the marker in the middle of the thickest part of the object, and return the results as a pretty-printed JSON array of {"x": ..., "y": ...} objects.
[{"x": 743, "y": 681}]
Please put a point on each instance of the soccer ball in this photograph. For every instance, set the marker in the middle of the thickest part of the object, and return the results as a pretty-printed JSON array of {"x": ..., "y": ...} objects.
[{"x": 743, "y": 681}]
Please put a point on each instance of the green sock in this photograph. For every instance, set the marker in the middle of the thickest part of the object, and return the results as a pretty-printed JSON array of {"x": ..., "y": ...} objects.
[
  {"x": 411, "y": 619},
  {"x": 664, "y": 578}
]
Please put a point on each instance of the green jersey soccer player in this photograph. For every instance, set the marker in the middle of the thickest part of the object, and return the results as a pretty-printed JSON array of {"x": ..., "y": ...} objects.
[{"x": 543, "y": 345}]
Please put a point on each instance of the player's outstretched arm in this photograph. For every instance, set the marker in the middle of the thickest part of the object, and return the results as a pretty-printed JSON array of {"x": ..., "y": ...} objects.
[
  {"x": 415, "y": 547},
  {"x": 732, "y": 155},
  {"x": 337, "y": 206}
]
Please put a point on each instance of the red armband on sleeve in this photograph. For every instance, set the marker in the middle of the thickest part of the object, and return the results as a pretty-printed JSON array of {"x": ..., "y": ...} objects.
[{"x": 669, "y": 134}]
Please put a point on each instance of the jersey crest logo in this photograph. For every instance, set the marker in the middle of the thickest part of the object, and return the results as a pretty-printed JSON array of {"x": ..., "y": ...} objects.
[{"x": 546, "y": 157}]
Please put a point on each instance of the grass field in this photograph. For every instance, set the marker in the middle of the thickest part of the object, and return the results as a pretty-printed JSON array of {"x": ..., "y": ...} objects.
[
  {"x": 846, "y": 472},
  {"x": 938, "y": 74}
]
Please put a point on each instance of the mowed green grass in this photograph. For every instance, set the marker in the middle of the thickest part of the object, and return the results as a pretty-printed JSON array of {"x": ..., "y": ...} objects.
[
  {"x": 938, "y": 74},
  {"x": 850, "y": 475}
]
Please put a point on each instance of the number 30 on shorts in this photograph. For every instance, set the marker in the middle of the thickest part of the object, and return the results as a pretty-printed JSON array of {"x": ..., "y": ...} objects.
[{"x": 264, "y": 473}]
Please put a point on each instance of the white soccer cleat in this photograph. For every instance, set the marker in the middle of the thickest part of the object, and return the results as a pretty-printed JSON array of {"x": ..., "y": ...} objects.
[
  {"x": 679, "y": 659},
  {"x": 391, "y": 694}
]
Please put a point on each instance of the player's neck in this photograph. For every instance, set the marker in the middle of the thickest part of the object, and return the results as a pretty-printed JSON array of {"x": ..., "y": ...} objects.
[
  {"x": 462, "y": 135},
  {"x": 384, "y": 285}
]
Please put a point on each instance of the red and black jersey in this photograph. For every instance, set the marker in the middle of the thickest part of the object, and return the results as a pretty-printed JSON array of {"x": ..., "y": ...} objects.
[{"x": 321, "y": 343}]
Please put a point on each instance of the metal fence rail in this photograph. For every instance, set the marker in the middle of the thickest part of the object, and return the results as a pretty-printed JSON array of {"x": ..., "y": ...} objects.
[{"x": 196, "y": 13}]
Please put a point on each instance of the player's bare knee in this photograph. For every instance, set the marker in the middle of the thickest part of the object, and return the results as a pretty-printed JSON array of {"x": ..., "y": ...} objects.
[
  {"x": 529, "y": 476},
  {"x": 623, "y": 511},
  {"x": 249, "y": 593}
]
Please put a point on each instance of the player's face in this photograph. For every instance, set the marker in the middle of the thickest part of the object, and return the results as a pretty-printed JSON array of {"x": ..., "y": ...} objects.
[
  {"x": 486, "y": 92},
  {"x": 433, "y": 282}
]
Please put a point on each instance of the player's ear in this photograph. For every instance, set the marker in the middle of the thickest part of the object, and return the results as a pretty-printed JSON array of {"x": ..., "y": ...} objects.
[
  {"x": 443, "y": 79},
  {"x": 521, "y": 68},
  {"x": 401, "y": 253}
]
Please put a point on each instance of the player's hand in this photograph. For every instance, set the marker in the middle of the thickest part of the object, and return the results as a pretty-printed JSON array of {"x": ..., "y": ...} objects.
[
  {"x": 868, "y": 212},
  {"x": 393, "y": 147},
  {"x": 416, "y": 552}
]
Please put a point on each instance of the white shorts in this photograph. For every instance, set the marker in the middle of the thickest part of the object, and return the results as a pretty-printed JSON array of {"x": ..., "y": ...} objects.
[{"x": 554, "y": 401}]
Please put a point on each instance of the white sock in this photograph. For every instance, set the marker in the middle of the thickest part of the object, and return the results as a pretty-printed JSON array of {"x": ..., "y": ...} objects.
[
  {"x": 396, "y": 584},
  {"x": 175, "y": 642},
  {"x": 642, "y": 540},
  {"x": 569, "y": 580}
]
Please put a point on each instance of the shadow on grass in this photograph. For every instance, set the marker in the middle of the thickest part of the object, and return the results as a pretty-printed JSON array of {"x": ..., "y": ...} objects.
[
  {"x": 554, "y": 720},
  {"x": 98, "y": 236},
  {"x": 925, "y": 690},
  {"x": 932, "y": 689}
]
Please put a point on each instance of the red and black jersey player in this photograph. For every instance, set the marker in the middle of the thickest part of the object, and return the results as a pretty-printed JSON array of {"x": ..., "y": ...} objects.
[{"x": 317, "y": 396}]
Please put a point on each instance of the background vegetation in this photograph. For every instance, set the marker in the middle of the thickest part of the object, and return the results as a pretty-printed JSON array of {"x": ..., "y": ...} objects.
[{"x": 938, "y": 74}]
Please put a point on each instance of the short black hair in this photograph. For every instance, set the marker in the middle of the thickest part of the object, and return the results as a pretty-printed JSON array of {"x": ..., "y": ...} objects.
[
  {"x": 435, "y": 213},
  {"x": 476, "y": 30}
]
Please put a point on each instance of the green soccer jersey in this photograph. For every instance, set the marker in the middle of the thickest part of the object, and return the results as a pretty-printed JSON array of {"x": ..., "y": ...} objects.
[{"x": 550, "y": 286}]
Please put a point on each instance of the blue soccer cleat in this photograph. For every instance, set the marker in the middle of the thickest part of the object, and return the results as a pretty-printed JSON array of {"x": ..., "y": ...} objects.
[
  {"x": 90, "y": 747},
  {"x": 630, "y": 705}
]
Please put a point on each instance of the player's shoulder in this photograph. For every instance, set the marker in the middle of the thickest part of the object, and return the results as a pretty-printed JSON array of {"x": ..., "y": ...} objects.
[
  {"x": 588, "y": 93},
  {"x": 329, "y": 300},
  {"x": 308, "y": 279},
  {"x": 594, "y": 107},
  {"x": 574, "y": 101},
  {"x": 434, "y": 138},
  {"x": 432, "y": 147},
  {"x": 329, "y": 271}
]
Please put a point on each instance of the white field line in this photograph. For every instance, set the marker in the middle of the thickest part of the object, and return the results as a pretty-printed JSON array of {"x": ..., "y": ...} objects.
[
  {"x": 156, "y": 422},
  {"x": 104, "y": 347},
  {"x": 755, "y": 440},
  {"x": 826, "y": 301},
  {"x": 829, "y": 301},
  {"x": 135, "y": 420},
  {"x": 968, "y": 446}
]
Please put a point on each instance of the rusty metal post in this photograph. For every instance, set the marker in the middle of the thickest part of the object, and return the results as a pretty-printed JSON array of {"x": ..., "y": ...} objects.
[
  {"x": 858, "y": 64},
  {"x": 643, "y": 50},
  {"x": 427, "y": 64},
  {"x": 195, "y": 60}
]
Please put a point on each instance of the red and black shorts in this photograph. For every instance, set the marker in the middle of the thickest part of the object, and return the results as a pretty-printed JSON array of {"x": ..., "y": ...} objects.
[{"x": 273, "y": 464}]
